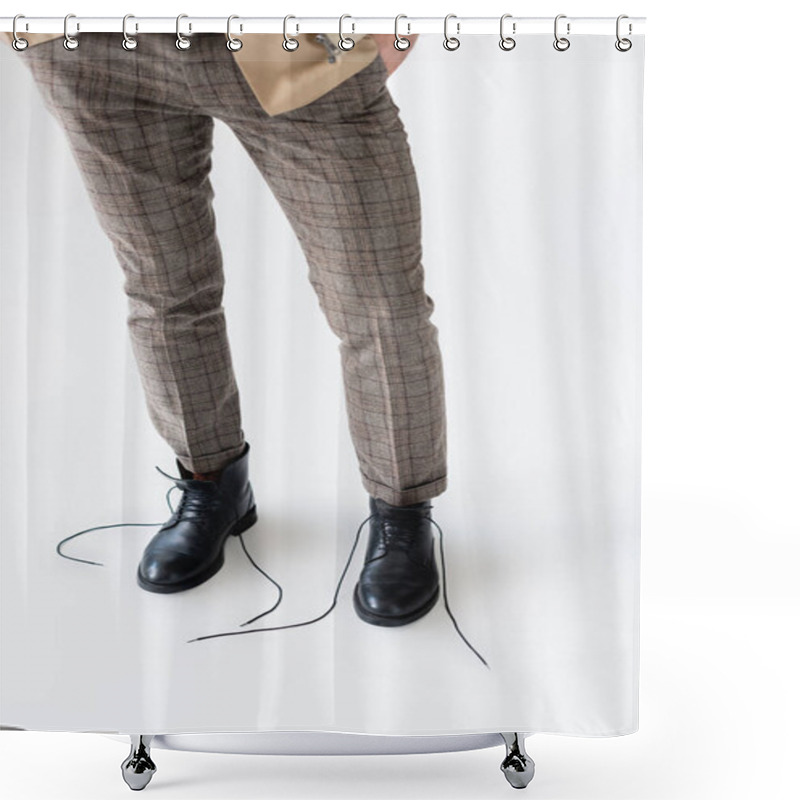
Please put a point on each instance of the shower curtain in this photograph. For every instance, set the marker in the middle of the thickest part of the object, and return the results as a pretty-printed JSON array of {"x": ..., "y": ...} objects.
[{"x": 529, "y": 168}]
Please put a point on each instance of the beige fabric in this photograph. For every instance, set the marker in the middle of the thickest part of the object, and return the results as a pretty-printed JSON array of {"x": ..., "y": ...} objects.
[
  {"x": 32, "y": 38},
  {"x": 282, "y": 81}
]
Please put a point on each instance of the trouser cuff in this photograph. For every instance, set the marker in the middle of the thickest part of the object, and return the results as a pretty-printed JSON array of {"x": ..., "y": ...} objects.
[
  {"x": 214, "y": 462},
  {"x": 405, "y": 497}
]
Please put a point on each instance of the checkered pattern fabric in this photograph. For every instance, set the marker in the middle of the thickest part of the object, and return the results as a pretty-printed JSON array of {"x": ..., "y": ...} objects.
[{"x": 140, "y": 126}]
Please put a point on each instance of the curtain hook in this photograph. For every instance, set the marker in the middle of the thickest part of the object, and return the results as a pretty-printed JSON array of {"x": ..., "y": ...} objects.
[
  {"x": 70, "y": 42},
  {"x": 182, "y": 43},
  {"x": 623, "y": 45},
  {"x": 506, "y": 42},
  {"x": 19, "y": 43},
  {"x": 400, "y": 42},
  {"x": 451, "y": 42},
  {"x": 290, "y": 44},
  {"x": 560, "y": 40},
  {"x": 345, "y": 43},
  {"x": 128, "y": 42},
  {"x": 233, "y": 44}
]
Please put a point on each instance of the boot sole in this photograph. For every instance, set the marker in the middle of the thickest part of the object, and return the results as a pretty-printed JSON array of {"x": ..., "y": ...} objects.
[
  {"x": 392, "y": 622},
  {"x": 247, "y": 521}
]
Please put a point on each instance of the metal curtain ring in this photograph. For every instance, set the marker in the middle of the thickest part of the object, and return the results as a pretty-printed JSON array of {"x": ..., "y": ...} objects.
[
  {"x": 70, "y": 42},
  {"x": 233, "y": 44},
  {"x": 560, "y": 40},
  {"x": 182, "y": 43},
  {"x": 345, "y": 43},
  {"x": 290, "y": 44},
  {"x": 506, "y": 42},
  {"x": 451, "y": 42},
  {"x": 400, "y": 42},
  {"x": 128, "y": 42},
  {"x": 19, "y": 43},
  {"x": 623, "y": 45}
]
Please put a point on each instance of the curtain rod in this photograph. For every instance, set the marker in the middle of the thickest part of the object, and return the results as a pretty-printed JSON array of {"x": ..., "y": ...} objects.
[{"x": 456, "y": 26}]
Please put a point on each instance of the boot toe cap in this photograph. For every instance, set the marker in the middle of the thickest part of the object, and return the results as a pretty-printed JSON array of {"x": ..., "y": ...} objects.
[
  {"x": 167, "y": 568},
  {"x": 394, "y": 599}
]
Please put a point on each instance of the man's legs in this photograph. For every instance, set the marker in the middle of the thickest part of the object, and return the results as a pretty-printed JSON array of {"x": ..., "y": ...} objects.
[
  {"x": 342, "y": 171},
  {"x": 145, "y": 155}
]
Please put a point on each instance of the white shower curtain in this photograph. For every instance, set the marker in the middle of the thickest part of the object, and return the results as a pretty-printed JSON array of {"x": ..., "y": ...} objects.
[{"x": 529, "y": 165}]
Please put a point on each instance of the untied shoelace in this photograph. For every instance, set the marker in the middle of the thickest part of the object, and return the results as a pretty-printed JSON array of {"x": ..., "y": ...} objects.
[{"x": 195, "y": 503}]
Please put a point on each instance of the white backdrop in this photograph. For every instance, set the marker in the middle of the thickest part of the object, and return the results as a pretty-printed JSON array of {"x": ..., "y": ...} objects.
[{"x": 529, "y": 164}]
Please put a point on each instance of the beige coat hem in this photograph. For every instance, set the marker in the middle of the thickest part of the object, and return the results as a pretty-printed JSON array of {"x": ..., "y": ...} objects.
[{"x": 281, "y": 81}]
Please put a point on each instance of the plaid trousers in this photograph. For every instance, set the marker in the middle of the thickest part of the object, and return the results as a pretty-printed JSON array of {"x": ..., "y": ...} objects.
[{"x": 140, "y": 127}]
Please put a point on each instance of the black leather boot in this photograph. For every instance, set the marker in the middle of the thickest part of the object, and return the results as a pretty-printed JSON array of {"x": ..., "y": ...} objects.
[
  {"x": 400, "y": 581},
  {"x": 189, "y": 548}
]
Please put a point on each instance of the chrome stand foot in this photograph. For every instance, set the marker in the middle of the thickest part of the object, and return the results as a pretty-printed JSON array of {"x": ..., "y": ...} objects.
[
  {"x": 138, "y": 768},
  {"x": 517, "y": 766}
]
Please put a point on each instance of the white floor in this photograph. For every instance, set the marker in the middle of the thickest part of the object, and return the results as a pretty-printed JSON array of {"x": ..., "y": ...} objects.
[{"x": 732, "y": 671}]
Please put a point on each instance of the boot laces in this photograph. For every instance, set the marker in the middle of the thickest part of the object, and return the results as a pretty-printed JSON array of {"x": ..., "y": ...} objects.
[
  {"x": 398, "y": 534},
  {"x": 198, "y": 498},
  {"x": 192, "y": 501},
  {"x": 394, "y": 539}
]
